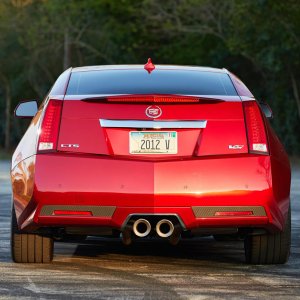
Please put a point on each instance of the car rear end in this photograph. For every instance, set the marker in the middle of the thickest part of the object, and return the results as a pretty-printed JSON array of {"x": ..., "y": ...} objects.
[{"x": 163, "y": 153}]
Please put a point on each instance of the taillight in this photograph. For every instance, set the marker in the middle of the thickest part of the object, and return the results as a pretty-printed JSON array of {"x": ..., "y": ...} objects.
[
  {"x": 257, "y": 138},
  {"x": 50, "y": 126}
]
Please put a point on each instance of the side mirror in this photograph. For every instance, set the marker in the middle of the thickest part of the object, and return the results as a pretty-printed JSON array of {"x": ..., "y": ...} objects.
[
  {"x": 26, "y": 109},
  {"x": 266, "y": 110}
]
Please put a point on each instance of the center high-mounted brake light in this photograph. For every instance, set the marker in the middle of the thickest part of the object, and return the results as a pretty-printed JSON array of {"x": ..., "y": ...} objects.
[
  {"x": 154, "y": 99},
  {"x": 50, "y": 126},
  {"x": 256, "y": 132}
]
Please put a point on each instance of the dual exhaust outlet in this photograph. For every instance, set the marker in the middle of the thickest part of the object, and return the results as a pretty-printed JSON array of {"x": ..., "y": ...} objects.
[{"x": 164, "y": 228}]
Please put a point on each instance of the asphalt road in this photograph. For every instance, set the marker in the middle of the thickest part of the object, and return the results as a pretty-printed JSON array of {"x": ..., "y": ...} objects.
[{"x": 105, "y": 269}]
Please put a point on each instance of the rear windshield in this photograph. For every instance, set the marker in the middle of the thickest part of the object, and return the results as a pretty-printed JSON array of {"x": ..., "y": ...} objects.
[{"x": 184, "y": 82}]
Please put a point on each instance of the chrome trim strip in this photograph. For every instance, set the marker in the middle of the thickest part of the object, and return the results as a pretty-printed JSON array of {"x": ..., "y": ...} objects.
[{"x": 152, "y": 124}]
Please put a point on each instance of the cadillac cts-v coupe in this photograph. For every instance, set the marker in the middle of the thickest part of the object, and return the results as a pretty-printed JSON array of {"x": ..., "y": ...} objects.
[{"x": 150, "y": 151}]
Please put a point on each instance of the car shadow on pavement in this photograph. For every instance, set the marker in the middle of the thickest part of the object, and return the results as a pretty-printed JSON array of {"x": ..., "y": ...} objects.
[{"x": 151, "y": 249}]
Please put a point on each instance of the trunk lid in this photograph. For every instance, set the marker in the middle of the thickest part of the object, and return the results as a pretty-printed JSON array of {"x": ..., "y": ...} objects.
[{"x": 89, "y": 126}]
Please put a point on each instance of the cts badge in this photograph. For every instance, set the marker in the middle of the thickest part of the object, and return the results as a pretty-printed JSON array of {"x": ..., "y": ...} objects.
[
  {"x": 69, "y": 145},
  {"x": 153, "y": 111}
]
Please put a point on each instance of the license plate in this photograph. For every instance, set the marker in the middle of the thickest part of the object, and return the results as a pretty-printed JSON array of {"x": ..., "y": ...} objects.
[{"x": 153, "y": 142}]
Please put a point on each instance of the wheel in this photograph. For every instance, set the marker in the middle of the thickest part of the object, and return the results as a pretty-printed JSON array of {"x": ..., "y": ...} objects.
[
  {"x": 29, "y": 248},
  {"x": 269, "y": 248}
]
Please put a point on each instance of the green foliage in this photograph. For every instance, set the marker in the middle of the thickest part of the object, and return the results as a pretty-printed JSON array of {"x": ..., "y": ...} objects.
[{"x": 259, "y": 40}]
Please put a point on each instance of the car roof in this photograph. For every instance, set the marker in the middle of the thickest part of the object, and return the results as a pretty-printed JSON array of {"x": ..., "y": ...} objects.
[{"x": 157, "y": 67}]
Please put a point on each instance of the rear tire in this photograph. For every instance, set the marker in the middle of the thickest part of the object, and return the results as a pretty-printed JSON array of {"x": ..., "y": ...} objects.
[
  {"x": 269, "y": 248},
  {"x": 29, "y": 248}
]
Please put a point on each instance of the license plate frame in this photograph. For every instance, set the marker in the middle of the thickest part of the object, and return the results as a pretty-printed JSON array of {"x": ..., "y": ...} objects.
[{"x": 153, "y": 142}]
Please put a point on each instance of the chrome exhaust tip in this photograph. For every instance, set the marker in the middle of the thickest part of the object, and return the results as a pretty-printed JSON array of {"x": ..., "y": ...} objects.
[
  {"x": 141, "y": 227},
  {"x": 164, "y": 228}
]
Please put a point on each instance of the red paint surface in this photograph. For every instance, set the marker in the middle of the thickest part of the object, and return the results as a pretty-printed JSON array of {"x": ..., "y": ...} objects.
[
  {"x": 225, "y": 126},
  {"x": 156, "y": 187}
]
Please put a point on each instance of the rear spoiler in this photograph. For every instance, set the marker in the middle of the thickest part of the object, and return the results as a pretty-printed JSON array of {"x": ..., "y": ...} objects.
[{"x": 153, "y": 99}]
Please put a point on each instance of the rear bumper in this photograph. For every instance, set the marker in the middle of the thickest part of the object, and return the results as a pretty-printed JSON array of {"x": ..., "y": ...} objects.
[{"x": 113, "y": 189}]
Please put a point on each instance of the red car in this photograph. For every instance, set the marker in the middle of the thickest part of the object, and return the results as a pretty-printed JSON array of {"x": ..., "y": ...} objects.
[{"x": 141, "y": 151}]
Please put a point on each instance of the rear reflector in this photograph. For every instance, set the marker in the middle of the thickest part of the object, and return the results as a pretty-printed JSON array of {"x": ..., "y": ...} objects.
[
  {"x": 71, "y": 213},
  {"x": 50, "y": 126},
  {"x": 233, "y": 213},
  {"x": 256, "y": 133},
  {"x": 154, "y": 99}
]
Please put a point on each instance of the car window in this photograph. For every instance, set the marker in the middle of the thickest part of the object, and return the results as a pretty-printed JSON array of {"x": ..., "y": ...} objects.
[{"x": 186, "y": 82}]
